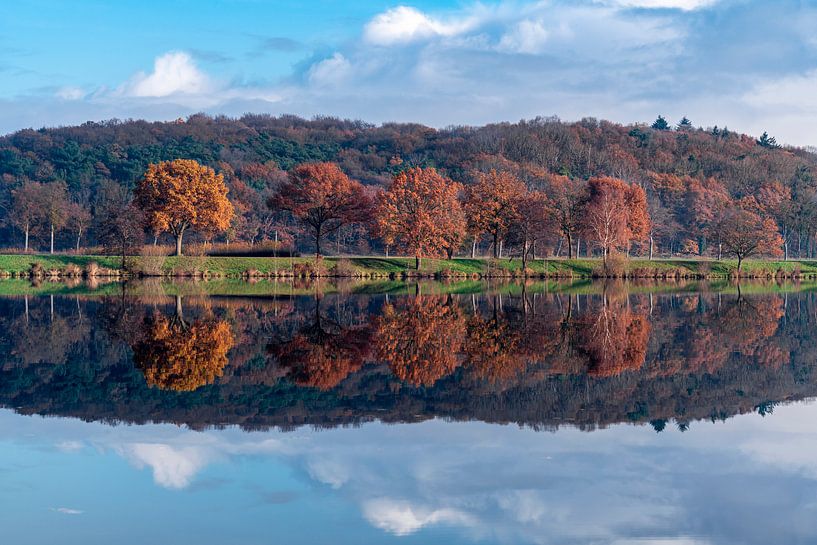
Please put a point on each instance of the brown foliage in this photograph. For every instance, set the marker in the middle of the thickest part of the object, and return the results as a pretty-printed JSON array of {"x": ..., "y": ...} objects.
[
  {"x": 323, "y": 199},
  {"x": 182, "y": 194},
  {"x": 421, "y": 214}
]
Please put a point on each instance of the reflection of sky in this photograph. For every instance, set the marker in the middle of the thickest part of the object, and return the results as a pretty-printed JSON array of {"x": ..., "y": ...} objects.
[{"x": 748, "y": 480}]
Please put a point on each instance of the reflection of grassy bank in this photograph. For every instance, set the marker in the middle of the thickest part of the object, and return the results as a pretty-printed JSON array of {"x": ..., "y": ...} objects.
[
  {"x": 267, "y": 287},
  {"x": 396, "y": 267}
]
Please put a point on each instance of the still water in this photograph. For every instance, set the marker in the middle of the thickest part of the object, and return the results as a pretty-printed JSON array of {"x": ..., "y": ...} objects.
[{"x": 393, "y": 413}]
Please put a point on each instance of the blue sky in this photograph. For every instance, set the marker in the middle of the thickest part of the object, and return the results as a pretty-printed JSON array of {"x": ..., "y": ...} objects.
[{"x": 747, "y": 64}]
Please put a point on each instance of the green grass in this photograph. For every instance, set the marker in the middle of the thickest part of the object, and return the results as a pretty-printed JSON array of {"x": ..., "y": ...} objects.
[{"x": 395, "y": 266}]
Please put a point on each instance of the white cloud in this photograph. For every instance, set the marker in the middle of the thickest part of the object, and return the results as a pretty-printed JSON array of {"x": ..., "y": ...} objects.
[
  {"x": 330, "y": 72},
  {"x": 70, "y": 93},
  {"x": 173, "y": 73},
  {"x": 405, "y": 24},
  {"x": 684, "y": 5},
  {"x": 526, "y": 37},
  {"x": 402, "y": 518}
]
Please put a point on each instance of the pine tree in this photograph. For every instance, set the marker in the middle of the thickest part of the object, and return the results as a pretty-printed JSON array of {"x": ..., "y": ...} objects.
[
  {"x": 684, "y": 124},
  {"x": 660, "y": 124},
  {"x": 767, "y": 141}
]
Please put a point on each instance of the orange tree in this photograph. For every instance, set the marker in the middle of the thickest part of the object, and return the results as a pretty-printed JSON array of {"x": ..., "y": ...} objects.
[
  {"x": 322, "y": 198},
  {"x": 183, "y": 194},
  {"x": 744, "y": 233},
  {"x": 421, "y": 214},
  {"x": 491, "y": 204},
  {"x": 615, "y": 214}
]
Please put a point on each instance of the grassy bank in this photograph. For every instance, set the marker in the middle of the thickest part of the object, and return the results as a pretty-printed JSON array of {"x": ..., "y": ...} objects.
[{"x": 393, "y": 267}]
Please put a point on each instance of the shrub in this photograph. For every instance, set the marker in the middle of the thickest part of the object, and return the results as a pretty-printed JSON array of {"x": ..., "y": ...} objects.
[
  {"x": 614, "y": 267},
  {"x": 310, "y": 269},
  {"x": 36, "y": 270},
  {"x": 344, "y": 268},
  {"x": 152, "y": 261}
]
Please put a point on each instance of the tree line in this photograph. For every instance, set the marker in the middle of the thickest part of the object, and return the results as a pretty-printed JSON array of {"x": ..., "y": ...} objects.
[{"x": 707, "y": 191}]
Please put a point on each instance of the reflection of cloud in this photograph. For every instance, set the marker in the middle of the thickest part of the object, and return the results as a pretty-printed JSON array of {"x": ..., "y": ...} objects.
[
  {"x": 70, "y": 446},
  {"x": 402, "y": 518},
  {"x": 67, "y": 511},
  {"x": 747, "y": 480},
  {"x": 172, "y": 467},
  {"x": 330, "y": 472}
]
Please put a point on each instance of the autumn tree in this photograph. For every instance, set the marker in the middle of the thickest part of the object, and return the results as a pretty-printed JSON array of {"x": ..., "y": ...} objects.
[
  {"x": 55, "y": 207},
  {"x": 533, "y": 222},
  {"x": 420, "y": 213},
  {"x": 183, "y": 194},
  {"x": 744, "y": 234},
  {"x": 615, "y": 213},
  {"x": 79, "y": 220},
  {"x": 566, "y": 196},
  {"x": 25, "y": 208},
  {"x": 119, "y": 223},
  {"x": 323, "y": 199},
  {"x": 491, "y": 204}
]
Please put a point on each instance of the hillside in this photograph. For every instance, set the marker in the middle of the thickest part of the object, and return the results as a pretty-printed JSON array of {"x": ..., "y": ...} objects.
[{"x": 685, "y": 171}]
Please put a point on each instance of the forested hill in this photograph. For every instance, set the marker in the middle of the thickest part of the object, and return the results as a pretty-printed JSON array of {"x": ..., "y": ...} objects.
[{"x": 685, "y": 171}]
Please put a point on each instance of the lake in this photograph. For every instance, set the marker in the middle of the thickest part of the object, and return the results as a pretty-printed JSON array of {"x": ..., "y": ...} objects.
[{"x": 559, "y": 413}]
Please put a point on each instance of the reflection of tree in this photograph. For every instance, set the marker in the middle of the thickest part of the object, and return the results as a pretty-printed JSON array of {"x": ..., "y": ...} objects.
[
  {"x": 421, "y": 338},
  {"x": 739, "y": 325},
  {"x": 613, "y": 337},
  {"x": 45, "y": 335},
  {"x": 178, "y": 356},
  {"x": 501, "y": 347},
  {"x": 323, "y": 353}
]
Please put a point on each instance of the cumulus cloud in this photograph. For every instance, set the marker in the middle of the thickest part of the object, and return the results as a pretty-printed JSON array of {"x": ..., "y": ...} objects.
[
  {"x": 330, "y": 72},
  {"x": 173, "y": 73},
  {"x": 405, "y": 24}
]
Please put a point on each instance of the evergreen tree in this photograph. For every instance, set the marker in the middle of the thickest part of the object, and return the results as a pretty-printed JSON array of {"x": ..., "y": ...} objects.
[
  {"x": 684, "y": 124},
  {"x": 767, "y": 141},
  {"x": 660, "y": 124}
]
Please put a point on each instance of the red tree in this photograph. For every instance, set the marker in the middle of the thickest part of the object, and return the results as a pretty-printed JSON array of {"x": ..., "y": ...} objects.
[{"x": 323, "y": 199}]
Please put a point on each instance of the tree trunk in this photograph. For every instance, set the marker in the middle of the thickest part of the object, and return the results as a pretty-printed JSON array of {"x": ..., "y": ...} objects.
[
  {"x": 52, "y": 238},
  {"x": 651, "y": 246},
  {"x": 417, "y": 262},
  {"x": 79, "y": 237},
  {"x": 179, "y": 238},
  {"x": 524, "y": 257},
  {"x": 474, "y": 248},
  {"x": 317, "y": 243},
  {"x": 500, "y": 248},
  {"x": 27, "y": 230},
  {"x": 740, "y": 262},
  {"x": 569, "y": 246},
  {"x": 786, "y": 250},
  {"x": 578, "y": 248},
  {"x": 720, "y": 251},
  {"x": 496, "y": 245}
]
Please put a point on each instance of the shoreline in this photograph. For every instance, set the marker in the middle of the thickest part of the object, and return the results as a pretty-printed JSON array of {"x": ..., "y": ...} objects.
[{"x": 379, "y": 268}]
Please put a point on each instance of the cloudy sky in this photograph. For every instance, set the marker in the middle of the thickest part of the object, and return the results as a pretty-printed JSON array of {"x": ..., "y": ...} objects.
[{"x": 747, "y": 64}]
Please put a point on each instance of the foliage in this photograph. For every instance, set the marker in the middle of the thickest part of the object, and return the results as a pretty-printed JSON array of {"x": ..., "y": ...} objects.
[{"x": 181, "y": 194}]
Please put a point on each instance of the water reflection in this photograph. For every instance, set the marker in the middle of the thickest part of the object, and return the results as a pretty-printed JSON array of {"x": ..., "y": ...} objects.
[{"x": 522, "y": 355}]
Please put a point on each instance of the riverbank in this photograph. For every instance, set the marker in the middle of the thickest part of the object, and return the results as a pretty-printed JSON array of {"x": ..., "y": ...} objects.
[{"x": 69, "y": 266}]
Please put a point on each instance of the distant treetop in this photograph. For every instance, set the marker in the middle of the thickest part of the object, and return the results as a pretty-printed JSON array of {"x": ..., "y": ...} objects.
[{"x": 660, "y": 124}]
